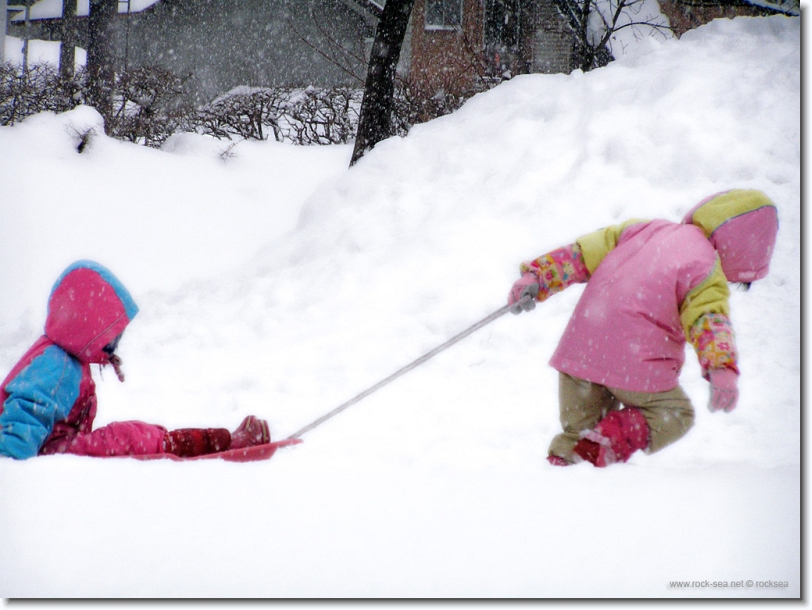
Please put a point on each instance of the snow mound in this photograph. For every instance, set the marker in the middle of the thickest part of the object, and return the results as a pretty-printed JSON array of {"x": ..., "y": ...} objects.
[{"x": 273, "y": 281}]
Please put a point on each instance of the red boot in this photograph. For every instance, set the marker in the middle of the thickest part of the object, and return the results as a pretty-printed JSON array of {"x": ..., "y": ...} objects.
[
  {"x": 615, "y": 438},
  {"x": 191, "y": 442},
  {"x": 556, "y": 460},
  {"x": 252, "y": 431}
]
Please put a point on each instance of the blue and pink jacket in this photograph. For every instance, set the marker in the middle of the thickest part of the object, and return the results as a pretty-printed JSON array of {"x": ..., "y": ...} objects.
[{"x": 48, "y": 400}]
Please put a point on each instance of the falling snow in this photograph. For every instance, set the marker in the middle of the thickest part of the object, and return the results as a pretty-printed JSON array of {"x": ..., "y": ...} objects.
[{"x": 279, "y": 283}]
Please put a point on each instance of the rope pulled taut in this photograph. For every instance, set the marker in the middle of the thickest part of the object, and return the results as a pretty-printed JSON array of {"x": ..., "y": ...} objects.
[{"x": 456, "y": 338}]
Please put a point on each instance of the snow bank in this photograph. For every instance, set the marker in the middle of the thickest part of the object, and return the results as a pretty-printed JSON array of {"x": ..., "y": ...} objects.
[{"x": 273, "y": 281}]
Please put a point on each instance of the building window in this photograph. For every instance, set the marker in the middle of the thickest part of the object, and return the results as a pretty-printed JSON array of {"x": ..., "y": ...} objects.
[{"x": 443, "y": 14}]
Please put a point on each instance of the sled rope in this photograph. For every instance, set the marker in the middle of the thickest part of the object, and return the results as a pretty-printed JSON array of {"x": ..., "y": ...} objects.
[{"x": 456, "y": 338}]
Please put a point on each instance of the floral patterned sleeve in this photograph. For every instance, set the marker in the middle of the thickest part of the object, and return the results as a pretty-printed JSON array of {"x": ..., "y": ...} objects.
[
  {"x": 558, "y": 269},
  {"x": 715, "y": 344}
]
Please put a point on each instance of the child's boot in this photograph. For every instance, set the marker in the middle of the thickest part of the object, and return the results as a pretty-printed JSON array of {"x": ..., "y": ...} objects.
[
  {"x": 252, "y": 431},
  {"x": 191, "y": 442},
  {"x": 557, "y": 460},
  {"x": 614, "y": 439}
]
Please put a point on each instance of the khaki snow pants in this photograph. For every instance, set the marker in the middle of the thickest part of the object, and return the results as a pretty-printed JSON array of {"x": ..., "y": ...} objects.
[{"x": 583, "y": 404}]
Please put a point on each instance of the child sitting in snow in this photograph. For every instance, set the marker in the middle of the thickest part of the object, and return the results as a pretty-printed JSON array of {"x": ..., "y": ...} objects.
[
  {"x": 650, "y": 285},
  {"x": 48, "y": 400}
]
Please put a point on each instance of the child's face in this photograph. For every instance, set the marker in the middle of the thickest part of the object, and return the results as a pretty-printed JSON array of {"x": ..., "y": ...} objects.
[
  {"x": 112, "y": 358},
  {"x": 111, "y": 347}
]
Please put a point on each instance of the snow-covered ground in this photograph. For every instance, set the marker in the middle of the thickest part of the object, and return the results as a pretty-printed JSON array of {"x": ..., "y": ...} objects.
[{"x": 274, "y": 281}]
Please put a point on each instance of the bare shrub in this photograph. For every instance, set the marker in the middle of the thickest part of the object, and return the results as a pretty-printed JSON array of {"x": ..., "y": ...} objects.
[
  {"x": 301, "y": 116},
  {"x": 148, "y": 106},
  {"x": 414, "y": 105},
  {"x": 39, "y": 88},
  {"x": 250, "y": 113},
  {"x": 322, "y": 116}
]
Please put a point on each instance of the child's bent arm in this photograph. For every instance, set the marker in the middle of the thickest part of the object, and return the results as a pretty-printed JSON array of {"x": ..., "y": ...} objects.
[
  {"x": 558, "y": 270},
  {"x": 715, "y": 343},
  {"x": 42, "y": 394}
]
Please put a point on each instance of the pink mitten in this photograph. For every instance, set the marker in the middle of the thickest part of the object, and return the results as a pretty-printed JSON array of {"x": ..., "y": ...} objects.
[
  {"x": 526, "y": 285},
  {"x": 724, "y": 390}
]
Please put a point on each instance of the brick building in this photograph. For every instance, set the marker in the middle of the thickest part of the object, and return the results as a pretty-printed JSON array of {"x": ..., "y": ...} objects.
[
  {"x": 451, "y": 45},
  {"x": 456, "y": 42},
  {"x": 684, "y": 15}
]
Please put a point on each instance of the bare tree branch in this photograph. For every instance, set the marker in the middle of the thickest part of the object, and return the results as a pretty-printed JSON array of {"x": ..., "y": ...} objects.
[{"x": 332, "y": 60}]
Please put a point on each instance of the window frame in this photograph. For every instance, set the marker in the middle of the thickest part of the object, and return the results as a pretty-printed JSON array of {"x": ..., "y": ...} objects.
[{"x": 444, "y": 11}]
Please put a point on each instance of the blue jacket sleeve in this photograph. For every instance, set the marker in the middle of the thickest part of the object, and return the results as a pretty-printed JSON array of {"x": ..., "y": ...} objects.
[{"x": 42, "y": 394}]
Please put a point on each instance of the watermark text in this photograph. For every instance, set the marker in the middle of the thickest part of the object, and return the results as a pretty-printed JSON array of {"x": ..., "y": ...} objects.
[{"x": 728, "y": 584}]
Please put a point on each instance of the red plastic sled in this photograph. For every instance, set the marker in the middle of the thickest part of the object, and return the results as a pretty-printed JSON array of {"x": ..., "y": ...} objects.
[{"x": 249, "y": 454}]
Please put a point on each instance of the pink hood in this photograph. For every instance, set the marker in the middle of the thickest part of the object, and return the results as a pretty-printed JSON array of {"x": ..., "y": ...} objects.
[
  {"x": 88, "y": 308},
  {"x": 742, "y": 226}
]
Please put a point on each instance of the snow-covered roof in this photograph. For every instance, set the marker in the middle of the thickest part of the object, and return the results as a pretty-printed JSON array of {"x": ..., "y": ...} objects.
[
  {"x": 52, "y": 9},
  {"x": 790, "y": 7},
  {"x": 374, "y": 7}
]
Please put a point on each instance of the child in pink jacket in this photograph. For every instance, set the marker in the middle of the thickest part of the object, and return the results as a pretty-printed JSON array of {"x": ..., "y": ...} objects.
[
  {"x": 48, "y": 400},
  {"x": 651, "y": 285}
]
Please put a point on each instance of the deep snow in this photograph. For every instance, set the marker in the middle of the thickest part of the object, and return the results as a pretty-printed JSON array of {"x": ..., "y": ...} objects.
[{"x": 274, "y": 281}]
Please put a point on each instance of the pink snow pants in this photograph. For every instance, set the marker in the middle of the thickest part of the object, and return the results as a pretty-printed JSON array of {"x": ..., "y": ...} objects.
[{"x": 115, "y": 439}]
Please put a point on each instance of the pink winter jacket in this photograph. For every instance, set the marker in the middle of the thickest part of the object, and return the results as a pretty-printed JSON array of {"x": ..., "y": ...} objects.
[
  {"x": 48, "y": 400},
  {"x": 650, "y": 281}
]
